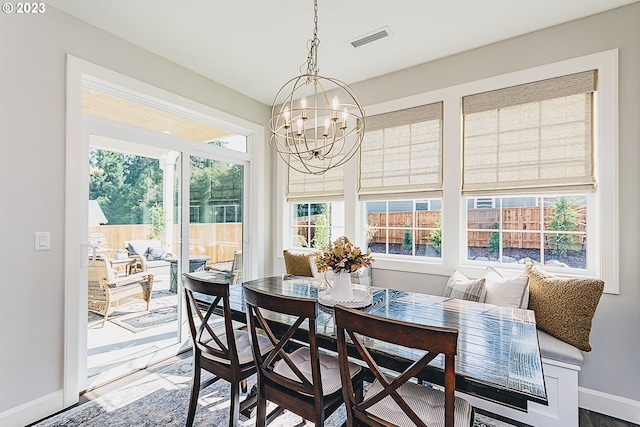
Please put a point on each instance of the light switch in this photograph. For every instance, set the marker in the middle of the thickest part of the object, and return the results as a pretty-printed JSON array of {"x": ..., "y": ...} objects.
[{"x": 42, "y": 240}]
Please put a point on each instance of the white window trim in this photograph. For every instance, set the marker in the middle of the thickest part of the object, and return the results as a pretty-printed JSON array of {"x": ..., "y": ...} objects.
[{"x": 605, "y": 217}]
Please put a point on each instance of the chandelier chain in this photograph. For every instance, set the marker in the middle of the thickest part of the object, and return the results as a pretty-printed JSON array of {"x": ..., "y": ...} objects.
[
  {"x": 313, "y": 135},
  {"x": 312, "y": 58}
]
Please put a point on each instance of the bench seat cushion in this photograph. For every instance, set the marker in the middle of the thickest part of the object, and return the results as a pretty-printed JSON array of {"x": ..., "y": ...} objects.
[{"x": 555, "y": 349}]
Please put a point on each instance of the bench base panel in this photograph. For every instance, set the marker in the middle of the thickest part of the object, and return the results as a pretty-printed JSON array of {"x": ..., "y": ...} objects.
[{"x": 561, "y": 380}]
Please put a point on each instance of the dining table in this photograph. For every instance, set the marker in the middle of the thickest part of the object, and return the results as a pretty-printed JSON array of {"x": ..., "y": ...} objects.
[{"x": 498, "y": 355}]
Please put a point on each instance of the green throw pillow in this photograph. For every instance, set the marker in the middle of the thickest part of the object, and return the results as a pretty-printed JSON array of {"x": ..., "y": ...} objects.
[{"x": 564, "y": 307}]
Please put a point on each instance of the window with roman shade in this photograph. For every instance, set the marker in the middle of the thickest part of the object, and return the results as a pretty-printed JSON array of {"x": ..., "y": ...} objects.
[
  {"x": 306, "y": 187},
  {"x": 401, "y": 154},
  {"x": 530, "y": 138}
]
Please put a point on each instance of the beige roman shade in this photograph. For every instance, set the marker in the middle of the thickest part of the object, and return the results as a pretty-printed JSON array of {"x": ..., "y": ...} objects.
[
  {"x": 401, "y": 154},
  {"x": 532, "y": 137},
  {"x": 307, "y": 187}
]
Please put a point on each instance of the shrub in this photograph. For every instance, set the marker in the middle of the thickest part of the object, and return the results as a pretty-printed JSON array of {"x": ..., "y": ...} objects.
[
  {"x": 565, "y": 218},
  {"x": 407, "y": 239}
]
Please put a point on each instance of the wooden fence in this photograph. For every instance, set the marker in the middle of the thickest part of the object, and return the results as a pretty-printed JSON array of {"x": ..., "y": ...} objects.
[
  {"x": 219, "y": 241},
  {"x": 521, "y": 220}
]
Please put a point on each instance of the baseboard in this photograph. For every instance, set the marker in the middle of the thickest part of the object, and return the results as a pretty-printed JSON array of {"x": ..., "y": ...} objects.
[
  {"x": 609, "y": 404},
  {"x": 33, "y": 411}
]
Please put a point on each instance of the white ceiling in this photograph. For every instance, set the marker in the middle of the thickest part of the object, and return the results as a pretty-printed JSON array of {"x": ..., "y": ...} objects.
[{"x": 255, "y": 46}]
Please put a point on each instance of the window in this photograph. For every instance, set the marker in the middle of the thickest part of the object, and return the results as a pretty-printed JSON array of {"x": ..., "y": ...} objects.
[
  {"x": 400, "y": 166},
  {"x": 404, "y": 227},
  {"x": 549, "y": 230},
  {"x": 535, "y": 136},
  {"x": 315, "y": 225},
  {"x": 556, "y": 142}
]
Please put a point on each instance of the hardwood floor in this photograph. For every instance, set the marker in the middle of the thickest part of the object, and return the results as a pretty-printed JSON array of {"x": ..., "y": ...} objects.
[
  {"x": 593, "y": 419},
  {"x": 586, "y": 418}
]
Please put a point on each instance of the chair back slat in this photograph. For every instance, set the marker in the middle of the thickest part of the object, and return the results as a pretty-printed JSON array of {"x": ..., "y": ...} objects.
[
  {"x": 303, "y": 310},
  {"x": 203, "y": 334},
  {"x": 224, "y": 352},
  {"x": 434, "y": 341}
]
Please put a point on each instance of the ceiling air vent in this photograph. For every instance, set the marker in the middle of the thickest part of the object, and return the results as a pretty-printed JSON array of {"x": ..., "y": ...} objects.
[{"x": 371, "y": 37}]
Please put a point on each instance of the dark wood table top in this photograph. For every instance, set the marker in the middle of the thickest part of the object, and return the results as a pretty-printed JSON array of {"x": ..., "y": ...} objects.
[{"x": 498, "y": 354}]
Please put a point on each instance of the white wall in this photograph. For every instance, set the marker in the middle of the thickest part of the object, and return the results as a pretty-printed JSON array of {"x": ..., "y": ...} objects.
[
  {"x": 32, "y": 172},
  {"x": 610, "y": 375}
]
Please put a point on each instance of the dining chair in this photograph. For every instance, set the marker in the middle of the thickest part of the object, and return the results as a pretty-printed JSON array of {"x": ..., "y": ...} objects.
[
  {"x": 395, "y": 400},
  {"x": 294, "y": 375},
  {"x": 228, "y": 359}
]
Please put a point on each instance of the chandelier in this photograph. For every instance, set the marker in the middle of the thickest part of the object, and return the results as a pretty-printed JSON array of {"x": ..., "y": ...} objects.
[{"x": 317, "y": 123}]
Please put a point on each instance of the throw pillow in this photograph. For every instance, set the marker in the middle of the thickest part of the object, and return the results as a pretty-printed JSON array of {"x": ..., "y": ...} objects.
[
  {"x": 564, "y": 307},
  {"x": 157, "y": 253},
  {"x": 362, "y": 276},
  {"x": 460, "y": 286},
  {"x": 506, "y": 291},
  {"x": 138, "y": 247},
  {"x": 298, "y": 264}
]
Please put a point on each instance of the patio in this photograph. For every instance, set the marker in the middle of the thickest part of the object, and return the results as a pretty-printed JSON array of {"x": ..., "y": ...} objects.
[{"x": 131, "y": 336}]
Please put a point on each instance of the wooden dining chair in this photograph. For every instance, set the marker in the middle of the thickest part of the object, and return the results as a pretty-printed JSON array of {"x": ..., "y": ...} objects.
[
  {"x": 294, "y": 375},
  {"x": 395, "y": 400},
  {"x": 228, "y": 359}
]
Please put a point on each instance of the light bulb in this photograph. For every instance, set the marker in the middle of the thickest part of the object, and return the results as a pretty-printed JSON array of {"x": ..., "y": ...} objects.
[
  {"x": 335, "y": 103},
  {"x": 303, "y": 107},
  {"x": 287, "y": 117}
]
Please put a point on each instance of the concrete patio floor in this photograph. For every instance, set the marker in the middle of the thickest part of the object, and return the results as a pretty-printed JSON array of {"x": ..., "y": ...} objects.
[{"x": 115, "y": 349}]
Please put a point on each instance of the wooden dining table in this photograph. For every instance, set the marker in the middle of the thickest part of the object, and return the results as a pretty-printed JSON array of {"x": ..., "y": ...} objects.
[{"x": 498, "y": 356}]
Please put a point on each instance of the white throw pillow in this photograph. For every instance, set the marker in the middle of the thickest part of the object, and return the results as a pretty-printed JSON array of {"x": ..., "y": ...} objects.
[
  {"x": 506, "y": 291},
  {"x": 460, "y": 286}
]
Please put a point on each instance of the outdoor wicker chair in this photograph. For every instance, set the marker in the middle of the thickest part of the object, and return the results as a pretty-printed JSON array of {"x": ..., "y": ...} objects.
[
  {"x": 234, "y": 272},
  {"x": 108, "y": 291}
]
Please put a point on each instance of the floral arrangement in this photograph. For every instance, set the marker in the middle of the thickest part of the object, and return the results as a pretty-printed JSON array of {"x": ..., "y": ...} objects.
[{"x": 341, "y": 255}]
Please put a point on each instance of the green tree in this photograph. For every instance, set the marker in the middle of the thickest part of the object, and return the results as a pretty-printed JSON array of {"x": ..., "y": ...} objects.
[
  {"x": 494, "y": 240},
  {"x": 125, "y": 185},
  {"x": 158, "y": 223},
  {"x": 214, "y": 184},
  {"x": 435, "y": 237},
  {"x": 565, "y": 217},
  {"x": 407, "y": 239},
  {"x": 321, "y": 236}
]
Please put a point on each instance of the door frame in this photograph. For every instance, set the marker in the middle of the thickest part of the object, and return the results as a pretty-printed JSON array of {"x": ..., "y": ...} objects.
[{"x": 77, "y": 193}]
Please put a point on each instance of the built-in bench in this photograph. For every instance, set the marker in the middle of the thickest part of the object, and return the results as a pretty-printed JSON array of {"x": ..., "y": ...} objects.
[
  {"x": 564, "y": 307},
  {"x": 561, "y": 363}
]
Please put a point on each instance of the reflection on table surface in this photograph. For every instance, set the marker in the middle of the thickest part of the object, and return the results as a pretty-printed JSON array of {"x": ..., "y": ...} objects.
[{"x": 498, "y": 355}]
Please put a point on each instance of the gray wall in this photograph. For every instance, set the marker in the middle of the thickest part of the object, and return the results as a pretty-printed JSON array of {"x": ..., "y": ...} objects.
[{"x": 612, "y": 365}]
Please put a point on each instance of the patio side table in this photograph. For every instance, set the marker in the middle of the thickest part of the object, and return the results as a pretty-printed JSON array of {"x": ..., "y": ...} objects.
[{"x": 196, "y": 263}]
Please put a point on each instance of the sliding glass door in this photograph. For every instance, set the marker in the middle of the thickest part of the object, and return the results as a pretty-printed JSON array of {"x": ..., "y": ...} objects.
[
  {"x": 133, "y": 303},
  {"x": 216, "y": 215}
]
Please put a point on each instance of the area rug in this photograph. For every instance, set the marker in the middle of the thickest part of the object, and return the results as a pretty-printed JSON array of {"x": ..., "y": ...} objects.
[
  {"x": 162, "y": 397},
  {"x": 137, "y": 322},
  {"x": 136, "y": 318}
]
